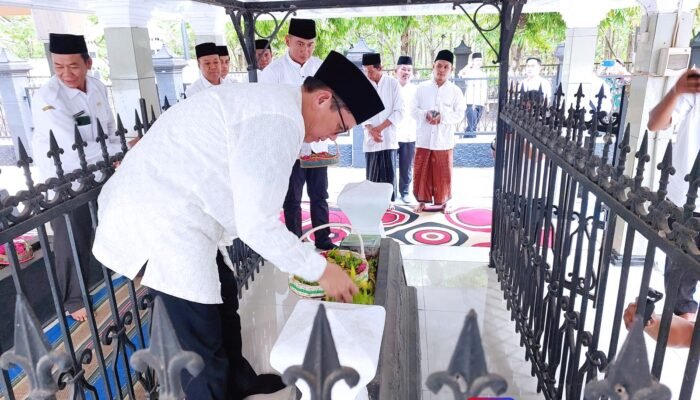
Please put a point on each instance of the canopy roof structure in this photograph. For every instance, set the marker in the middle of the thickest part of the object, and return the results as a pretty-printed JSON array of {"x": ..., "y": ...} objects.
[{"x": 384, "y": 8}]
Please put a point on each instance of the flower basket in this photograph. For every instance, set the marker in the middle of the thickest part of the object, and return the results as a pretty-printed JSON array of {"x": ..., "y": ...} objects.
[
  {"x": 323, "y": 159},
  {"x": 307, "y": 289}
]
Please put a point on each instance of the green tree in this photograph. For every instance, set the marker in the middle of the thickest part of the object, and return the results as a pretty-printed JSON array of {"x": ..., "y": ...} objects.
[{"x": 17, "y": 33}]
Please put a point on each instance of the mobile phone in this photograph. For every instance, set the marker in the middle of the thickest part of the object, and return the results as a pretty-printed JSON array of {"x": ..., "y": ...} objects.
[
  {"x": 653, "y": 296},
  {"x": 434, "y": 114},
  {"x": 694, "y": 75}
]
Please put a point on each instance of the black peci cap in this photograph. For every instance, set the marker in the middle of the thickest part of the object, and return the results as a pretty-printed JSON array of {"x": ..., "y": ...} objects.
[
  {"x": 371, "y": 59},
  {"x": 476, "y": 55},
  {"x": 351, "y": 86},
  {"x": 405, "y": 60},
  {"x": 262, "y": 44},
  {"x": 206, "y": 49},
  {"x": 445, "y": 55},
  {"x": 223, "y": 50},
  {"x": 303, "y": 28},
  {"x": 61, "y": 43}
]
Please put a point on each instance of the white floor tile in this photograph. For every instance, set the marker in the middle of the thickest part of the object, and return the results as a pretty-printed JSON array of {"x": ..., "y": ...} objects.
[
  {"x": 271, "y": 287},
  {"x": 444, "y": 253},
  {"x": 260, "y": 327},
  {"x": 457, "y": 274},
  {"x": 455, "y": 299},
  {"x": 414, "y": 271},
  {"x": 420, "y": 297}
]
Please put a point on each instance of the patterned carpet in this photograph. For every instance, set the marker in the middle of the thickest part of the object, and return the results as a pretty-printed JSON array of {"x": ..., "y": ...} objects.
[{"x": 466, "y": 226}]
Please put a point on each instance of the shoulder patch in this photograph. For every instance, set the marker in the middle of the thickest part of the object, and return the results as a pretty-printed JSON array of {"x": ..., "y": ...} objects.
[{"x": 47, "y": 108}]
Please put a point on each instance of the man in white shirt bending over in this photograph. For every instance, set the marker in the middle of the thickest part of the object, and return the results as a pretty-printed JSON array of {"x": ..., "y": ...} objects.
[
  {"x": 381, "y": 141},
  {"x": 438, "y": 108},
  {"x": 291, "y": 69},
  {"x": 216, "y": 167},
  {"x": 209, "y": 67}
]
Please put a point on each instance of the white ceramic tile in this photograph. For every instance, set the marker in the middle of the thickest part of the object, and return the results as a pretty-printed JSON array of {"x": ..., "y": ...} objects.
[
  {"x": 457, "y": 274},
  {"x": 444, "y": 253},
  {"x": 424, "y": 351},
  {"x": 455, "y": 299},
  {"x": 260, "y": 327},
  {"x": 414, "y": 271},
  {"x": 420, "y": 297},
  {"x": 271, "y": 287}
]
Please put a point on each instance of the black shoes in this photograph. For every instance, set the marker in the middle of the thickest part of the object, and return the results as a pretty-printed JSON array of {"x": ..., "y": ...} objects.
[{"x": 326, "y": 246}]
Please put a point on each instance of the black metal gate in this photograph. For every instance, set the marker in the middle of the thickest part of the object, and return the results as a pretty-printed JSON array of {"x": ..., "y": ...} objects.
[{"x": 557, "y": 206}]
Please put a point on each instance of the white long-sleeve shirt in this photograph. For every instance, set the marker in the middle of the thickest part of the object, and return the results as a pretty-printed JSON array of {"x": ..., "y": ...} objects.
[
  {"x": 214, "y": 166},
  {"x": 686, "y": 116},
  {"x": 446, "y": 99},
  {"x": 534, "y": 84},
  {"x": 476, "y": 86},
  {"x": 284, "y": 70},
  {"x": 406, "y": 130},
  {"x": 54, "y": 108},
  {"x": 389, "y": 90}
]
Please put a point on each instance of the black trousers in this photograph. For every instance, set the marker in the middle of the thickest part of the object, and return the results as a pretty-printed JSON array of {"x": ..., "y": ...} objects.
[
  {"x": 685, "y": 301},
  {"x": 407, "y": 151},
  {"x": 473, "y": 116},
  {"x": 68, "y": 284},
  {"x": 316, "y": 180},
  {"x": 381, "y": 168},
  {"x": 214, "y": 332}
]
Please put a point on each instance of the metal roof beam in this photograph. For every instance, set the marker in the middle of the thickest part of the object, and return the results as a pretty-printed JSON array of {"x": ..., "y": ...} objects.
[{"x": 272, "y": 6}]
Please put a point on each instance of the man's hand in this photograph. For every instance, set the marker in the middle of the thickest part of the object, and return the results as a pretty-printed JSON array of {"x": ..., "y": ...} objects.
[
  {"x": 689, "y": 82},
  {"x": 376, "y": 134},
  {"x": 631, "y": 311},
  {"x": 131, "y": 143},
  {"x": 337, "y": 283}
]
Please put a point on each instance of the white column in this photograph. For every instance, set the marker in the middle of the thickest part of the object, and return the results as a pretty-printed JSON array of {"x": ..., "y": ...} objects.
[
  {"x": 657, "y": 30},
  {"x": 129, "y": 54},
  {"x": 582, "y": 19},
  {"x": 208, "y": 23}
]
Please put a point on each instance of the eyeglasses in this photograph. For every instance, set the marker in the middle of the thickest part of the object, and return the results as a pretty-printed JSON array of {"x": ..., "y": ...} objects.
[{"x": 342, "y": 121}]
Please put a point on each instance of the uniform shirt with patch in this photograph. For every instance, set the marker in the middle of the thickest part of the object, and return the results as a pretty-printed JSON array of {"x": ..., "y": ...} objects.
[{"x": 58, "y": 108}]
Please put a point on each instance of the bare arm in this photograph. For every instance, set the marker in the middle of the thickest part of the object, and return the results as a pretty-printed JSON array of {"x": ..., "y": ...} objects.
[{"x": 660, "y": 116}]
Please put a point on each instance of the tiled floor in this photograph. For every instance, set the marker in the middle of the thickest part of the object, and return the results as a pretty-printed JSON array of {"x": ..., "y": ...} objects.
[{"x": 450, "y": 282}]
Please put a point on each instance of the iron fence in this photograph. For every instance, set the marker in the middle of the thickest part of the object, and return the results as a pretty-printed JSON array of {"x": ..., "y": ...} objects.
[
  {"x": 55, "y": 353},
  {"x": 557, "y": 205}
]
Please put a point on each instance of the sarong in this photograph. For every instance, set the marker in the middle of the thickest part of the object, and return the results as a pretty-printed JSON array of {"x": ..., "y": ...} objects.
[{"x": 432, "y": 176}]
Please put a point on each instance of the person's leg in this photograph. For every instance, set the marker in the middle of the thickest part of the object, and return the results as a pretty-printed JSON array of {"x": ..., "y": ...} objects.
[
  {"x": 685, "y": 304},
  {"x": 411, "y": 153},
  {"x": 422, "y": 179},
  {"x": 441, "y": 163},
  {"x": 292, "y": 202},
  {"x": 479, "y": 114},
  {"x": 242, "y": 379},
  {"x": 198, "y": 329},
  {"x": 404, "y": 179},
  {"x": 471, "y": 118},
  {"x": 391, "y": 172},
  {"x": 66, "y": 273},
  {"x": 317, "y": 189}
]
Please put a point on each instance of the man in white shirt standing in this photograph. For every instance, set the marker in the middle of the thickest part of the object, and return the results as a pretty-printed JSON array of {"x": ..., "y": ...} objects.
[
  {"x": 475, "y": 92},
  {"x": 225, "y": 61},
  {"x": 263, "y": 53},
  {"x": 209, "y": 66},
  {"x": 534, "y": 82},
  {"x": 438, "y": 108},
  {"x": 406, "y": 130},
  {"x": 681, "y": 107},
  {"x": 220, "y": 161},
  {"x": 381, "y": 141},
  {"x": 291, "y": 69},
  {"x": 71, "y": 98}
]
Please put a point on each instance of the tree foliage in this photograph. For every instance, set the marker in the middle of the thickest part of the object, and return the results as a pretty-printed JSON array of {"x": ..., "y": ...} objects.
[{"x": 17, "y": 33}]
